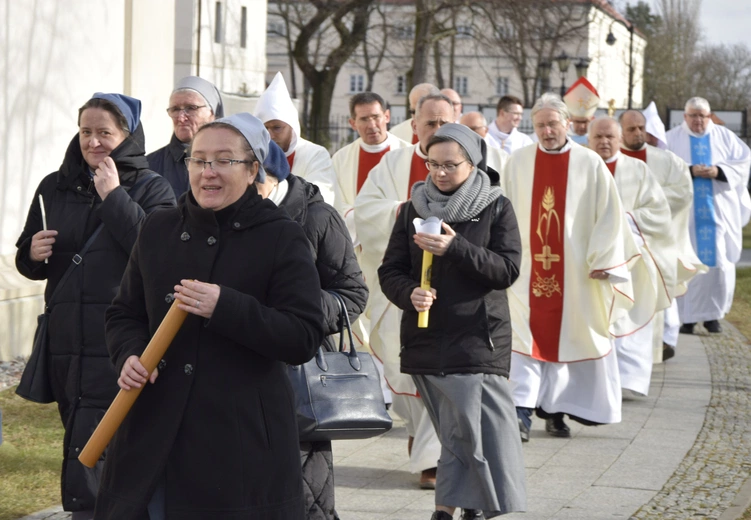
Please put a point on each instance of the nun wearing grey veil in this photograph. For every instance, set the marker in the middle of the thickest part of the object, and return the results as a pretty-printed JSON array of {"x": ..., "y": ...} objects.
[
  {"x": 460, "y": 362},
  {"x": 192, "y": 104}
]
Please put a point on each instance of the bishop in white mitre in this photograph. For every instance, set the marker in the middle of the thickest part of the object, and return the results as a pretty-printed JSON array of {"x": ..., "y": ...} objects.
[
  {"x": 653, "y": 279},
  {"x": 719, "y": 164},
  {"x": 673, "y": 176},
  {"x": 308, "y": 160},
  {"x": 574, "y": 284}
]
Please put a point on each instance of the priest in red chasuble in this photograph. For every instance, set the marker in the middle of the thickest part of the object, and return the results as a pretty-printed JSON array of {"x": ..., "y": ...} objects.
[
  {"x": 369, "y": 117},
  {"x": 575, "y": 280}
]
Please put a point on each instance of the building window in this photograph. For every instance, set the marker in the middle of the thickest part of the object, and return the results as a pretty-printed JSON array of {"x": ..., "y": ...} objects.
[
  {"x": 356, "y": 83},
  {"x": 276, "y": 28},
  {"x": 401, "y": 84},
  {"x": 501, "y": 86},
  {"x": 463, "y": 31},
  {"x": 244, "y": 27},
  {"x": 404, "y": 32},
  {"x": 460, "y": 85},
  {"x": 218, "y": 22}
]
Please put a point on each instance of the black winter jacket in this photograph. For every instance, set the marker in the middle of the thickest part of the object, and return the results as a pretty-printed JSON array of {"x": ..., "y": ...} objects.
[
  {"x": 83, "y": 379},
  {"x": 469, "y": 329},
  {"x": 219, "y": 423},
  {"x": 332, "y": 249},
  {"x": 168, "y": 162}
]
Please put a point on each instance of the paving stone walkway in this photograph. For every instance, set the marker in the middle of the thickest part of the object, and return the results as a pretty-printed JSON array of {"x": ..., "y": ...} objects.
[{"x": 683, "y": 452}]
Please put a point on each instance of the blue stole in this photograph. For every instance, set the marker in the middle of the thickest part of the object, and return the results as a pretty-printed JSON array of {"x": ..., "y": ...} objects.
[{"x": 704, "y": 215}]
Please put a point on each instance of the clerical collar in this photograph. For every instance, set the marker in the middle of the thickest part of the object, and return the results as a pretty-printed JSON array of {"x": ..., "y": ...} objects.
[
  {"x": 614, "y": 158},
  {"x": 292, "y": 145},
  {"x": 710, "y": 124},
  {"x": 566, "y": 148},
  {"x": 419, "y": 152},
  {"x": 375, "y": 148}
]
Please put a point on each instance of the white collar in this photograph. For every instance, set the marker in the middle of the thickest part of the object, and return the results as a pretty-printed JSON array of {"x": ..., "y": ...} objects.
[
  {"x": 710, "y": 124},
  {"x": 614, "y": 158},
  {"x": 375, "y": 148},
  {"x": 566, "y": 148}
]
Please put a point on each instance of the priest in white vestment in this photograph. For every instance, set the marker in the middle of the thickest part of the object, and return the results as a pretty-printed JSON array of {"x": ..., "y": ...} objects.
[
  {"x": 503, "y": 132},
  {"x": 719, "y": 164},
  {"x": 404, "y": 129},
  {"x": 308, "y": 160},
  {"x": 574, "y": 282},
  {"x": 653, "y": 279},
  {"x": 377, "y": 205},
  {"x": 369, "y": 117},
  {"x": 672, "y": 174}
]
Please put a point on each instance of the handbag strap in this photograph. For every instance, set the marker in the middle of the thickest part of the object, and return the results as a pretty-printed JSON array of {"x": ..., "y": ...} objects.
[
  {"x": 75, "y": 261},
  {"x": 78, "y": 257},
  {"x": 345, "y": 325}
]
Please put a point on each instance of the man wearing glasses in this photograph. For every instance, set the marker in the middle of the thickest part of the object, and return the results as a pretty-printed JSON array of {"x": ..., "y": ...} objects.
[
  {"x": 503, "y": 133},
  {"x": 192, "y": 104},
  {"x": 719, "y": 165}
]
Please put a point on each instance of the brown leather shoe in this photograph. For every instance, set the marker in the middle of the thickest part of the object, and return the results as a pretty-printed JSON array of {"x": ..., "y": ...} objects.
[
  {"x": 427, "y": 479},
  {"x": 409, "y": 446}
]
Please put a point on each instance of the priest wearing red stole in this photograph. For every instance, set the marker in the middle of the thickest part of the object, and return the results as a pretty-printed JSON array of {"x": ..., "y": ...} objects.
[
  {"x": 671, "y": 173},
  {"x": 377, "y": 205},
  {"x": 369, "y": 117},
  {"x": 653, "y": 280},
  {"x": 574, "y": 284}
]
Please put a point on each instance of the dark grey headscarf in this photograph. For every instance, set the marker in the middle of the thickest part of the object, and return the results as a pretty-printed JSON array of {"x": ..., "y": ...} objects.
[
  {"x": 255, "y": 133},
  {"x": 207, "y": 89},
  {"x": 472, "y": 197}
]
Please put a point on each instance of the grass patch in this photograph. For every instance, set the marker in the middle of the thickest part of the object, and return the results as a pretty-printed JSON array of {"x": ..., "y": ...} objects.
[
  {"x": 747, "y": 237},
  {"x": 740, "y": 314},
  {"x": 30, "y": 456}
]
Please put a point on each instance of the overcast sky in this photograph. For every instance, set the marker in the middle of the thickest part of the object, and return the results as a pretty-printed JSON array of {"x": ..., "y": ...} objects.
[{"x": 723, "y": 21}]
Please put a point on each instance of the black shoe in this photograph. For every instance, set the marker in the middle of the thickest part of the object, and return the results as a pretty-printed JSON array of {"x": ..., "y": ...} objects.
[
  {"x": 713, "y": 326},
  {"x": 523, "y": 431},
  {"x": 687, "y": 328},
  {"x": 472, "y": 514},
  {"x": 667, "y": 351},
  {"x": 556, "y": 427},
  {"x": 441, "y": 515}
]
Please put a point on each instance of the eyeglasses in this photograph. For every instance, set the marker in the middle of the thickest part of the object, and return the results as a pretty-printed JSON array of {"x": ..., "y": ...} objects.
[
  {"x": 519, "y": 114},
  {"x": 551, "y": 125},
  {"x": 448, "y": 168},
  {"x": 217, "y": 165},
  {"x": 698, "y": 116},
  {"x": 190, "y": 110}
]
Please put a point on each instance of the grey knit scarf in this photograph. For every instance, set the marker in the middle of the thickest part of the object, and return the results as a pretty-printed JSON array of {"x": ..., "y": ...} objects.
[{"x": 468, "y": 201}]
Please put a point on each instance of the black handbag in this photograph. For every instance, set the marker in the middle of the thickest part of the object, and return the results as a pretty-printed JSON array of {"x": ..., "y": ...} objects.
[
  {"x": 35, "y": 381},
  {"x": 338, "y": 394}
]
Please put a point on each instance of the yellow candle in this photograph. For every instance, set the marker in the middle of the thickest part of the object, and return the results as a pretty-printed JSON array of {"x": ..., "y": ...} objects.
[{"x": 427, "y": 270}]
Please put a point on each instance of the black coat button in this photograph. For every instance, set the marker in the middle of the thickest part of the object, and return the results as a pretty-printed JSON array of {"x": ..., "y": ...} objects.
[
  {"x": 211, "y": 241},
  {"x": 188, "y": 369},
  {"x": 236, "y": 224},
  {"x": 169, "y": 298},
  {"x": 185, "y": 236},
  {"x": 162, "y": 365}
]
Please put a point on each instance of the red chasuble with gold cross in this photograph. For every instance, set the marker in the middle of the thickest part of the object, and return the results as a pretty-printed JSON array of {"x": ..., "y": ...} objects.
[{"x": 546, "y": 247}]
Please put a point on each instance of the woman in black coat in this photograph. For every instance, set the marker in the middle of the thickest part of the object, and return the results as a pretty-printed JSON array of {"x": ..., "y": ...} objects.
[
  {"x": 214, "y": 435},
  {"x": 104, "y": 179},
  {"x": 338, "y": 271},
  {"x": 460, "y": 361}
]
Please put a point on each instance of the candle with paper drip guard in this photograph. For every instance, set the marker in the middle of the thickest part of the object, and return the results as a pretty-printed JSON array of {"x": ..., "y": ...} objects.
[{"x": 432, "y": 226}]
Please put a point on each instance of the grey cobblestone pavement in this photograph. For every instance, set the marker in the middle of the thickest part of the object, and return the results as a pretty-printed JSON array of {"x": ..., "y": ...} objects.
[
  {"x": 683, "y": 452},
  {"x": 714, "y": 470}
]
